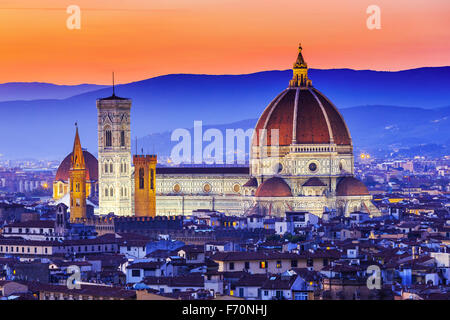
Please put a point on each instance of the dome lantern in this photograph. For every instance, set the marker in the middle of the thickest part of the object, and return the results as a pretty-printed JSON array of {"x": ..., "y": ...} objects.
[{"x": 300, "y": 72}]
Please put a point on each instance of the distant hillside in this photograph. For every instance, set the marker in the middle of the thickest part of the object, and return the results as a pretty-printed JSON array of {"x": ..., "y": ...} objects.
[
  {"x": 376, "y": 129},
  {"x": 44, "y": 128},
  {"x": 36, "y": 90}
]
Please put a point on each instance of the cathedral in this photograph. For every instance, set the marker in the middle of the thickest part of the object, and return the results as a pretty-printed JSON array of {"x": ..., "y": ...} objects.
[{"x": 301, "y": 159}]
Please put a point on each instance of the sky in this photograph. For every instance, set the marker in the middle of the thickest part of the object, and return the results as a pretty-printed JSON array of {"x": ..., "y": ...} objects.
[{"x": 139, "y": 39}]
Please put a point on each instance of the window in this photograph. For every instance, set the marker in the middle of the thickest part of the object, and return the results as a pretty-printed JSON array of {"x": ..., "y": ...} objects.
[
  {"x": 77, "y": 202},
  {"x": 300, "y": 296},
  {"x": 141, "y": 178},
  {"x": 122, "y": 138},
  {"x": 247, "y": 265},
  {"x": 325, "y": 262},
  {"x": 279, "y": 294},
  {"x": 152, "y": 179},
  {"x": 241, "y": 292},
  {"x": 231, "y": 265},
  {"x": 310, "y": 262},
  {"x": 111, "y": 192},
  {"x": 108, "y": 138},
  {"x": 106, "y": 192},
  {"x": 266, "y": 293},
  {"x": 111, "y": 168},
  {"x": 77, "y": 187},
  {"x": 263, "y": 264},
  {"x": 106, "y": 168},
  {"x": 278, "y": 264}
]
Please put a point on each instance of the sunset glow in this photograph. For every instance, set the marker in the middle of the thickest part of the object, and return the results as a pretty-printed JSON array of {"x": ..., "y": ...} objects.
[{"x": 140, "y": 39}]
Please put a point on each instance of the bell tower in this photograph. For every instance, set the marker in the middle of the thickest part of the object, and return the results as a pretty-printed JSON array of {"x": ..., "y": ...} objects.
[
  {"x": 114, "y": 155},
  {"x": 77, "y": 181},
  {"x": 144, "y": 185}
]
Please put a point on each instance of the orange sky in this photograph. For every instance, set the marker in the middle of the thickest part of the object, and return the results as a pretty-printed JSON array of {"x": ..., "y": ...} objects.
[{"x": 139, "y": 39}]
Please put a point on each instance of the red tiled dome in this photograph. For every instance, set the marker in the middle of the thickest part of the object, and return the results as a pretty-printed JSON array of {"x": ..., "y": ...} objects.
[
  {"x": 274, "y": 187},
  {"x": 350, "y": 186},
  {"x": 91, "y": 165},
  {"x": 303, "y": 115}
]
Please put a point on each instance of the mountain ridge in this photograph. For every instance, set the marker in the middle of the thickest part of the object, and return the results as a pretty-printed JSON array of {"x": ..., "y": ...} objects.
[{"x": 44, "y": 128}]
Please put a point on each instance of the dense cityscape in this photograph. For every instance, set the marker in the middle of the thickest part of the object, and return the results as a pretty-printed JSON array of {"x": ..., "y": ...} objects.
[
  {"x": 209, "y": 255},
  {"x": 224, "y": 159}
]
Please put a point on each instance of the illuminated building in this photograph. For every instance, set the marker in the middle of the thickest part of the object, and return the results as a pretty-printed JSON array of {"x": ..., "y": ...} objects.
[
  {"x": 77, "y": 181},
  {"x": 145, "y": 186},
  {"x": 114, "y": 156},
  {"x": 309, "y": 168},
  {"x": 61, "y": 182}
]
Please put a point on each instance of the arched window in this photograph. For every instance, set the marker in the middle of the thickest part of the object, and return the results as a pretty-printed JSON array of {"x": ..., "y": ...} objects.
[
  {"x": 141, "y": 178},
  {"x": 111, "y": 167},
  {"x": 121, "y": 192},
  {"x": 106, "y": 168},
  {"x": 122, "y": 138},
  {"x": 108, "y": 137},
  {"x": 77, "y": 187},
  {"x": 111, "y": 192},
  {"x": 61, "y": 188},
  {"x": 106, "y": 192}
]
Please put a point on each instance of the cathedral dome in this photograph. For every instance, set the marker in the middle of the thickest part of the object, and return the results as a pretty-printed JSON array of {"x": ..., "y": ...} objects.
[
  {"x": 63, "y": 172},
  {"x": 274, "y": 187},
  {"x": 350, "y": 186},
  {"x": 302, "y": 114}
]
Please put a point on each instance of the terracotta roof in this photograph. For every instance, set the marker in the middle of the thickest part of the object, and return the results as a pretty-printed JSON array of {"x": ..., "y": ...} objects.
[
  {"x": 251, "y": 280},
  {"x": 279, "y": 282},
  {"x": 314, "y": 182},
  {"x": 274, "y": 187},
  {"x": 203, "y": 170},
  {"x": 179, "y": 281},
  {"x": 32, "y": 224},
  {"x": 146, "y": 265},
  {"x": 314, "y": 119},
  {"x": 91, "y": 163},
  {"x": 252, "y": 182},
  {"x": 350, "y": 186},
  {"x": 88, "y": 290}
]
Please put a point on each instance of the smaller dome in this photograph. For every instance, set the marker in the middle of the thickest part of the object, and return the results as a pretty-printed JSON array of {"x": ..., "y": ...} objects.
[
  {"x": 314, "y": 182},
  {"x": 350, "y": 186},
  {"x": 91, "y": 162},
  {"x": 274, "y": 187},
  {"x": 252, "y": 182}
]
